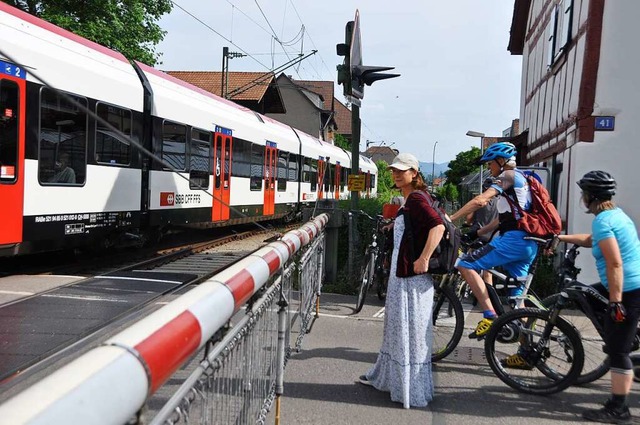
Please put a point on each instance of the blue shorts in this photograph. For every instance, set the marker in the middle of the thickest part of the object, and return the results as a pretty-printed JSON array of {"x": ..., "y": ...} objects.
[{"x": 509, "y": 250}]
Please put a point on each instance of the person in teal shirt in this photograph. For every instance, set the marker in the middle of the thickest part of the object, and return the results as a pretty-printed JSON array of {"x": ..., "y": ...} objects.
[{"x": 616, "y": 249}]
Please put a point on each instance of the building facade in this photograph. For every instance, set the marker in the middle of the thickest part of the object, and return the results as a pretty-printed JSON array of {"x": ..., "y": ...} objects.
[{"x": 579, "y": 107}]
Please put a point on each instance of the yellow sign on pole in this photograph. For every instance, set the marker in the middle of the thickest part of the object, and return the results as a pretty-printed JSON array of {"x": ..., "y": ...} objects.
[{"x": 355, "y": 183}]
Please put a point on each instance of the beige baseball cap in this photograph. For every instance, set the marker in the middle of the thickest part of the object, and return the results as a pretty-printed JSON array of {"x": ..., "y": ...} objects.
[{"x": 405, "y": 161}]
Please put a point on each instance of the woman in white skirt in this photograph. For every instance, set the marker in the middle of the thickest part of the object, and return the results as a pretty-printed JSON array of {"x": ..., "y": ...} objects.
[{"x": 403, "y": 367}]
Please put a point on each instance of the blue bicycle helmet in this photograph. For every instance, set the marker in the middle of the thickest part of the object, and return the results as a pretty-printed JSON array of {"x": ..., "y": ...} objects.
[{"x": 499, "y": 150}]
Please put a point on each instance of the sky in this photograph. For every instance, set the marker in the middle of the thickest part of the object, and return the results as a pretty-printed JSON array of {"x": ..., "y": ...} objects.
[{"x": 456, "y": 72}]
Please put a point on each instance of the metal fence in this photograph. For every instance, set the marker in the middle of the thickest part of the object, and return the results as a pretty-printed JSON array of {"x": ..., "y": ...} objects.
[{"x": 242, "y": 374}]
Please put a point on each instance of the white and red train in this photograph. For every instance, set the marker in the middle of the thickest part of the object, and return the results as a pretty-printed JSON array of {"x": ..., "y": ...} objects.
[{"x": 67, "y": 180}]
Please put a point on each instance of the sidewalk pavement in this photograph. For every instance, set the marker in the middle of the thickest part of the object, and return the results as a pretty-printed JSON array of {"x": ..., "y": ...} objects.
[{"x": 321, "y": 381}]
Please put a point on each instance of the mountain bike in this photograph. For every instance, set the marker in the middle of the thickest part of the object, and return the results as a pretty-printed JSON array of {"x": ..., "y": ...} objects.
[
  {"x": 551, "y": 348},
  {"x": 377, "y": 262},
  {"x": 448, "y": 313}
]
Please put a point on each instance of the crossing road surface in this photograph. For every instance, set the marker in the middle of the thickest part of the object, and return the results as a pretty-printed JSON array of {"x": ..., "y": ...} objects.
[{"x": 321, "y": 387}]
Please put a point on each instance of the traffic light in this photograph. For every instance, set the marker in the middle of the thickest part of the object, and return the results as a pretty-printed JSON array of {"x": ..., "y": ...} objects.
[
  {"x": 344, "y": 49},
  {"x": 362, "y": 75},
  {"x": 352, "y": 74}
]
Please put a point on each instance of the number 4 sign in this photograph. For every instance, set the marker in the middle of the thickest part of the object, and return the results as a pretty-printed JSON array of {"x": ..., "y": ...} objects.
[{"x": 605, "y": 123}]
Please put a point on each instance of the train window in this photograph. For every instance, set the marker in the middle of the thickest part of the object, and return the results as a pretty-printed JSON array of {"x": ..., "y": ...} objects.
[
  {"x": 8, "y": 131},
  {"x": 344, "y": 176},
  {"x": 313, "y": 174},
  {"x": 111, "y": 147},
  {"x": 373, "y": 181},
  {"x": 241, "y": 158},
  {"x": 200, "y": 159},
  {"x": 62, "y": 156},
  {"x": 293, "y": 167},
  {"x": 306, "y": 170},
  {"x": 257, "y": 167},
  {"x": 283, "y": 159},
  {"x": 174, "y": 145}
]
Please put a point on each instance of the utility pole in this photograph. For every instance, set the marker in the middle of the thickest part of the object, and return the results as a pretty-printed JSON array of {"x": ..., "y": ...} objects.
[{"x": 224, "y": 84}]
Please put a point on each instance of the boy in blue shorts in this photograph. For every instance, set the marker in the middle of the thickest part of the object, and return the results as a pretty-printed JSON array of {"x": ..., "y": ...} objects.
[{"x": 509, "y": 250}]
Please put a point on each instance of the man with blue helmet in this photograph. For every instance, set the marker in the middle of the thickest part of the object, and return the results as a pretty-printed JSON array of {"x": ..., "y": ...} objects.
[{"x": 509, "y": 250}]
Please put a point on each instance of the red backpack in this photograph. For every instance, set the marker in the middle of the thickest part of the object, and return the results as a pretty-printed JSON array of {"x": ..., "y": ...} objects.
[{"x": 542, "y": 220}]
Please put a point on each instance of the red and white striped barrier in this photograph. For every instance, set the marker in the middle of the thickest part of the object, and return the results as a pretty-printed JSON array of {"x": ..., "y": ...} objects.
[{"x": 110, "y": 383}]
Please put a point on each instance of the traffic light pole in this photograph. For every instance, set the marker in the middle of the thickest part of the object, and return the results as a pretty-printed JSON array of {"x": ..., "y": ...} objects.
[{"x": 355, "y": 150}]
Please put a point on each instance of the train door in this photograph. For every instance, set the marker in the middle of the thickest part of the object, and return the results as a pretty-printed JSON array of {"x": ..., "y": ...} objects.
[
  {"x": 322, "y": 166},
  {"x": 336, "y": 190},
  {"x": 270, "y": 161},
  {"x": 12, "y": 131},
  {"x": 222, "y": 145}
]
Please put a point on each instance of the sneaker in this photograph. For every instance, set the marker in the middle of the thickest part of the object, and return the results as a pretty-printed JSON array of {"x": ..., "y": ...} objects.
[
  {"x": 482, "y": 328},
  {"x": 364, "y": 381},
  {"x": 516, "y": 361},
  {"x": 609, "y": 414}
]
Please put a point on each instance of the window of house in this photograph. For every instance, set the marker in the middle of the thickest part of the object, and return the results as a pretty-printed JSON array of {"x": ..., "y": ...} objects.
[
  {"x": 111, "y": 147},
  {"x": 62, "y": 155},
  {"x": 559, "y": 30},
  {"x": 174, "y": 145}
]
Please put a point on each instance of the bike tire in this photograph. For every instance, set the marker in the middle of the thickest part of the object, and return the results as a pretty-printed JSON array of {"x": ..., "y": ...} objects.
[
  {"x": 550, "y": 371},
  {"x": 596, "y": 361},
  {"x": 366, "y": 277},
  {"x": 447, "y": 322}
]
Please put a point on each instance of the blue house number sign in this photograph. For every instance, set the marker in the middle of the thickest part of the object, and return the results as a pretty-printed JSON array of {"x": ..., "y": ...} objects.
[{"x": 605, "y": 123}]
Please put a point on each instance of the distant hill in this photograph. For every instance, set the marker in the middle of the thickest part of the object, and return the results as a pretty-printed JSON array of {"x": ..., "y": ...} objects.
[{"x": 426, "y": 168}]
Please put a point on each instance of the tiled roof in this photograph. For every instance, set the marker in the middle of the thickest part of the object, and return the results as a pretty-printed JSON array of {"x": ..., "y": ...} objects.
[
  {"x": 323, "y": 88},
  {"x": 211, "y": 81},
  {"x": 343, "y": 117}
]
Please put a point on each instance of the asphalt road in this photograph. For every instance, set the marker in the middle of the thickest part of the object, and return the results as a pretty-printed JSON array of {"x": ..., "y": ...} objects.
[{"x": 321, "y": 387}]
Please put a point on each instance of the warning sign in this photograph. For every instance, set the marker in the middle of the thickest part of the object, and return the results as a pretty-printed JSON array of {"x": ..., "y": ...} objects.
[{"x": 355, "y": 183}]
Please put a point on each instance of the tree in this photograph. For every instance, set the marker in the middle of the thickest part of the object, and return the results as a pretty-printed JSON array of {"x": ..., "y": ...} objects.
[
  {"x": 341, "y": 141},
  {"x": 464, "y": 164},
  {"x": 448, "y": 192},
  {"x": 385, "y": 182},
  {"x": 127, "y": 26}
]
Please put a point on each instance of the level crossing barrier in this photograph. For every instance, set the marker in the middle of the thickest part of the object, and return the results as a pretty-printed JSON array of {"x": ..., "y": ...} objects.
[{"x": 242, "y": 371}]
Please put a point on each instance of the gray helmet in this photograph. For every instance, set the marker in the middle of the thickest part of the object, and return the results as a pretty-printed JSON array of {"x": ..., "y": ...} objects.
[{"x": 599, "y": 184}]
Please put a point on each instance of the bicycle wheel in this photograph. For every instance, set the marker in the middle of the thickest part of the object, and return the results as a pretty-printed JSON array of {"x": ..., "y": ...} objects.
[
  {"x": 448, "y": 323},
  {"x": 596, "y": 361},
  {"x": 368, "y": 271},
  {"x": 551, "y": 365}
]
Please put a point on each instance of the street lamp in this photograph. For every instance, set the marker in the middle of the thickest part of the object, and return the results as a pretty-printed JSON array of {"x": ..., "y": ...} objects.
[
  {"x": 433, "y": 166},
  {"x": 472, "y": 133}
]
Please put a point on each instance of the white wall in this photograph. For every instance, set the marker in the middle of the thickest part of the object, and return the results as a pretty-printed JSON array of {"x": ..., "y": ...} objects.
[{"x": 617, "y": 94}]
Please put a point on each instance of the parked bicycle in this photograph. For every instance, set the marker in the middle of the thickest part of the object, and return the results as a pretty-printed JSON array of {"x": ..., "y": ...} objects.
[
  {"x": 448, "y": 312},
  {"x": 377, "y": 261},
  {"x": 555, "y": 343}
]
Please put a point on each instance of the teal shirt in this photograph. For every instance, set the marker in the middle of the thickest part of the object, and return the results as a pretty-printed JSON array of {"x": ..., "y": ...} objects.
[{"x": 616, "y": 224}]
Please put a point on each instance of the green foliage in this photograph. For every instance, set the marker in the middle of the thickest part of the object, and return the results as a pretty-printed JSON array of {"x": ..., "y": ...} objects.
[
  {"x": 341, "y": 141},
  {"x": 448, "y": 192},
  {"x": 128, "y": 27},
  {"x": 464, "y": 164}
]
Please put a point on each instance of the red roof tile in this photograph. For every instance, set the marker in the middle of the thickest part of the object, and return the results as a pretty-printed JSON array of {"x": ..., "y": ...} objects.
[{"x": 211, "y": 81}]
